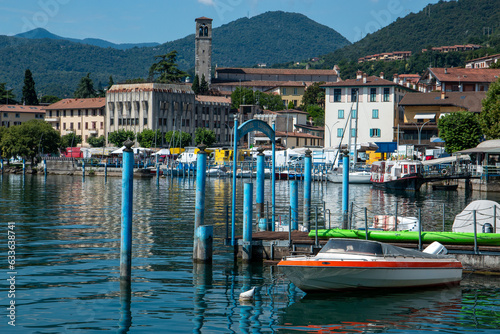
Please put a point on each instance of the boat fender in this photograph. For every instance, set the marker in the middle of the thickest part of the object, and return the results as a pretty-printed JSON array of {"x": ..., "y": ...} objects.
[{"x": 444, "y": 171}]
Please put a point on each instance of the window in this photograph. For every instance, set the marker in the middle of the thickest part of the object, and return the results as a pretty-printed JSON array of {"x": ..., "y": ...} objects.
[
  {"x": 86, "y": 125},
  {"x": 295, "y": 91},
  {"x": 354, "y": 94},
  {"x": 353, "y": 132},
  {"x": 373, "y": 94},
  {"x": 375, "y": 113},
  {"x": 17, "y": 115},
  {"x": 340, "y": 132},
  {"x": 145, "y": 121},
  {"x": 71, "y": 113},
  {"x": 64, "y": 113},
  {"x": 111, "y": 121},
  {"x": 341, "y": 114},
  {"x": 337, "y": 93},
  {"x": 102, "y": 125},
  {"x": 354, "y": 114},
  {"x": 387, "y": 92},
  {"x": 284, "y": 91},
  {"x": 6, "y": 115},
  {"x": 374, "y": 133},
  {"x": 94, "y": 125},
  {"x": 71, "y": 125},
  {"x": 64, "y": 126},
  {"x": 79, "y": 112}
]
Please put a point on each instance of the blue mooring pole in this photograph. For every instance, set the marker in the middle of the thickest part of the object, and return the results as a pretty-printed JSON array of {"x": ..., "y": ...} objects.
[
  {"x": 273, "y": 180},
  {"x": 307, "y": 189},
  {"x": 127, "y": 205},
  {"x": 203, "y": 235},
  {"x": 235, "y": 160},
  {"x": 294, "y": 204},
  {"x": 247, "y": 222},
  {"x": 44, "y": 167},
  {"x": 83, "y": 170},
  {"x": 157, "y": 171},
  {"x": 24, "y": 166},
  {"x": 345, "y": 188},
  {"x": 260, "y": 190},
  {"x": 1, "y": 165},
  {"x": 105, "y": 171}
]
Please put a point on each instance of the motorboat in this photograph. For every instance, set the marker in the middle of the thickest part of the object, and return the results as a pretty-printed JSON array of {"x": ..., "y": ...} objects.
[
  {"x": 397, "y": 174},
  {"x": 357, "y": 176},
  {"x": 353, "y": 264},
  {"x": 218, "y": 171}
]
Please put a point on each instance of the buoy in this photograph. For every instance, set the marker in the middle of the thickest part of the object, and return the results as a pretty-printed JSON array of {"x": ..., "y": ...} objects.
[{"x": 247, "y": 295}]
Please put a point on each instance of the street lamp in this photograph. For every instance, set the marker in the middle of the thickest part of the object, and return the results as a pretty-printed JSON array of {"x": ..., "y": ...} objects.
[
  {"x": 419, "y": 129},
  {"x": 330, "y": 133},
  {"x": 230, "y": 134}
]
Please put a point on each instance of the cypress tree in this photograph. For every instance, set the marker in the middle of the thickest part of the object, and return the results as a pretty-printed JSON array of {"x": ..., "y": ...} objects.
[
  {"x": 203, "y": 85},
  {"x": 196, "y": 84},
  {"x": 29, "y": 93}
]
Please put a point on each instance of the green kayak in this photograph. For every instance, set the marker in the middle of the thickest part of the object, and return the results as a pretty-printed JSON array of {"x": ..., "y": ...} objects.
[{"x": 450, "y": 238}]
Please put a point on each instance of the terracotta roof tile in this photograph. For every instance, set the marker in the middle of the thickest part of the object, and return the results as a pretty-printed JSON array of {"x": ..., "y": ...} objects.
[
  {"x": 277, "y": 71},
  {"x": 90, "y": 103},
  {"x": 19, "y": 108},
  {"x": 370, "y": 81},
  {"x": 468, "y": 100},
  {"x": 212, "y": 99},
  {"x": 455, "y": 74}
]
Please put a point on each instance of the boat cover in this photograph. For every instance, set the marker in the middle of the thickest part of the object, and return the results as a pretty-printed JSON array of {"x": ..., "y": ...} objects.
[
  {"x": 373, "y": 248},
  {"x": 485, "y": 213}
]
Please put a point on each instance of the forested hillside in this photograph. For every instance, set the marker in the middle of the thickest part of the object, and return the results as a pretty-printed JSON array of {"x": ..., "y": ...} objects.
[{"x": 57, "y": 65}]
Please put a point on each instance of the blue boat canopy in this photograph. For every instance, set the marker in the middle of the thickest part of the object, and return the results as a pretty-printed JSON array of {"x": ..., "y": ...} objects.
[{"x": 386, "y": 147}]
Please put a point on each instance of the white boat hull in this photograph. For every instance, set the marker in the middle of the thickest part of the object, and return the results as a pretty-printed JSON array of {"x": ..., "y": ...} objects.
[
  {"x": 312, "y": 278},
  {"x": 354, "y": 178}
]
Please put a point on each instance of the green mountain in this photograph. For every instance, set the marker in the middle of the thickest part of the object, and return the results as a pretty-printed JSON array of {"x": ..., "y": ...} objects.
[
  {"x": 58, "y": 64},
  {"x": 40, "y": 33},
  {"x": 444, "y": 23}
]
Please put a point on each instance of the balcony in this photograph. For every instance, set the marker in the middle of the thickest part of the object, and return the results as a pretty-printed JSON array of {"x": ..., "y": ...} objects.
[
  {"x": 51, "y": 119},
  {"x": 93, "y": 132}
]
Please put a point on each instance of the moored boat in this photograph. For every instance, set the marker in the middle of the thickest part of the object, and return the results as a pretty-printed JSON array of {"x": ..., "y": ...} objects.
[
  {"x": 397, "y": 174},
  {"x": 353, "y": 264}
]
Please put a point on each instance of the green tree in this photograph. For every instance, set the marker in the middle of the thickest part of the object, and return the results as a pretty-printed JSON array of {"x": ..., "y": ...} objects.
[
  {"x": 166, "y": 69},
  {"x": 314, "y": 95},
  {"x": 30, "y": 139},
  {"x": 95, "y": 141},
  {"x": 85, "y": 88},
  {"x": 118, "y": 137},
  {"x": 269, "y": 101},
  {"x": 291, "y": 105},
  {"x": 490, "y": 113},
  {"x": 205, "y": 136},
  {"x": 203, "y": 85},
  {"x": 460, "y": 130},
  {"x": 178, "y": 139},
  {"x": 317, "y": 113},
  {"x": 110, "y": 82},
  {"x": 242, "y": 96},
  {"x": 49, "y": 99},
  {"x": 196, "y": 84},
  {"x": 70, "y": 140},
  {"x": 149, "y": 138},
  {"x": 6, "y": 95},
  {"x": 29, "y": 92}
]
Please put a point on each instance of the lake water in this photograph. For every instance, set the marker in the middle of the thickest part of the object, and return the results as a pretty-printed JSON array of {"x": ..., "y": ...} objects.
[{"x": 67, "y": 239}]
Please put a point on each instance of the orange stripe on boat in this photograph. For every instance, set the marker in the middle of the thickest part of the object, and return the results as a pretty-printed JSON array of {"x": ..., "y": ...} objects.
[{"x": 370, "y": 264}]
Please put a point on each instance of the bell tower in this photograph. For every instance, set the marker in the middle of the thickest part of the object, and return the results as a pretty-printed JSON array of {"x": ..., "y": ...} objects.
[{"x": 203, "y": 48}]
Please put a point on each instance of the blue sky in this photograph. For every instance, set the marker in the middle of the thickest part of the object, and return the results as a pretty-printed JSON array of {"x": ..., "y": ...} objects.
[{"x": 134, "y": 21}]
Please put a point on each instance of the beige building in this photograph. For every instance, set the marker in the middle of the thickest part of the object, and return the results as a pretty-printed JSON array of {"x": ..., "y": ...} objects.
[
  {"x": 166, "y": 107},
  {"x": 83, "y": 117},
  {"x": 11, "y": 114}
]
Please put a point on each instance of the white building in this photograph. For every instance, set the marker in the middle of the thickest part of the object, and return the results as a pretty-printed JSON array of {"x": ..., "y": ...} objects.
[{"x": 377, "y": 111}]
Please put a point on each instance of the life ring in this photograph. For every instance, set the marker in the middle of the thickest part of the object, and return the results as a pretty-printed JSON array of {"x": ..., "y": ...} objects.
[{"x": 444, "y": 172}]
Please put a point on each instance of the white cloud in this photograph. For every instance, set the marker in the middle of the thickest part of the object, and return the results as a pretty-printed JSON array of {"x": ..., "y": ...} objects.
[{"x": 207, "y": 2}]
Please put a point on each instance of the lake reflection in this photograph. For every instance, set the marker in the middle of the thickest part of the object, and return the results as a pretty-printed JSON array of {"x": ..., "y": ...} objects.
[{"x": 67, "y": 257}]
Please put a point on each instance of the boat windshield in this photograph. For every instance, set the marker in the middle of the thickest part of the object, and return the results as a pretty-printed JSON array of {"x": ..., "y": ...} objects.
[{"x": 352, "y": 246}]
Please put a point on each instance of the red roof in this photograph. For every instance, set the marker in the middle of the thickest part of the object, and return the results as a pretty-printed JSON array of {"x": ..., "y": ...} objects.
[
  {"x": 455, "y": 74},
  {"x": 274, "y": 71},
  {"x": 19, "y": 108},
  {"x": 203, "y": 18},
  {"x": 370, "y": 81},
  {"x": 212, "y": 99},
  {"x": 90, "y": 103}
]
